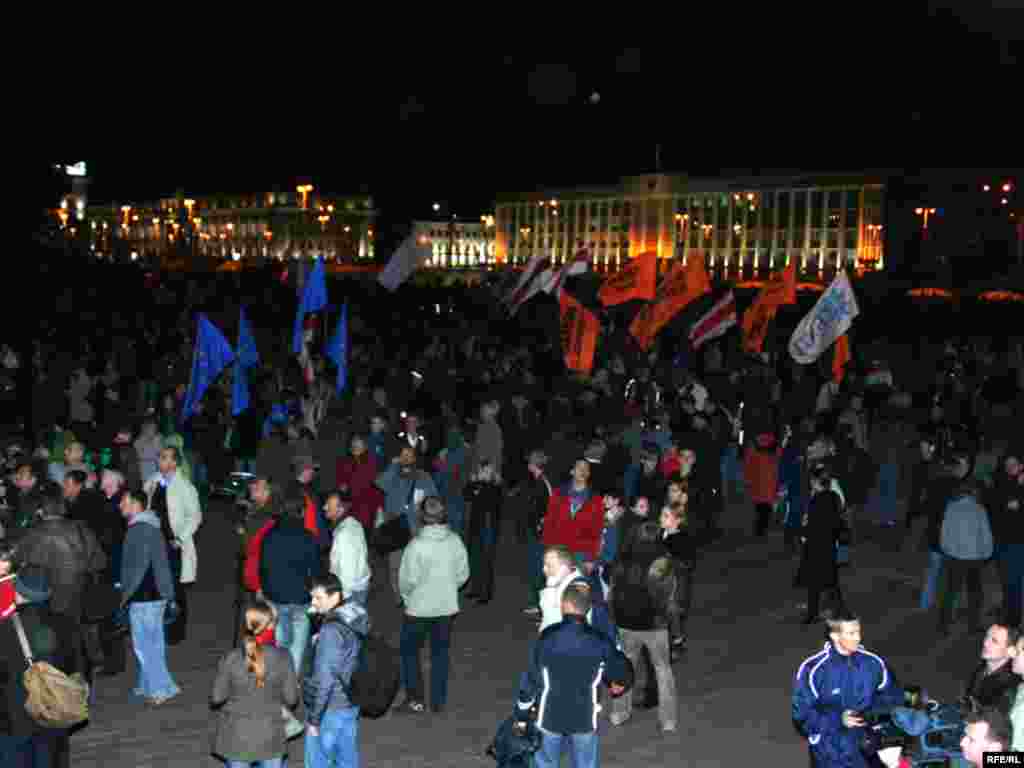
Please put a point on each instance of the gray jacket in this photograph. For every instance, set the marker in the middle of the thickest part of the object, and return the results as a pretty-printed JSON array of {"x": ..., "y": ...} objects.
[
  {"x": 250, "y": 727},
  {"x": 336, "y": 651},
  {"x": 966, "y": 532},
  {"x": 144, "y": 545},
  {"x": 398, "y": 492}
]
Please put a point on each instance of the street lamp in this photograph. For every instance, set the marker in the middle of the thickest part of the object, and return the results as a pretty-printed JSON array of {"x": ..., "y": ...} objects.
[
  {"x": 304, "y": 190},
  {"x": 437, "y": 207},
  {"x": 925, "y": 213}
]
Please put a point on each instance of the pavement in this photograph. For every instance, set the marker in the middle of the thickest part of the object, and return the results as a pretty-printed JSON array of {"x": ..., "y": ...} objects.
[{"x": 734, "y": 685}]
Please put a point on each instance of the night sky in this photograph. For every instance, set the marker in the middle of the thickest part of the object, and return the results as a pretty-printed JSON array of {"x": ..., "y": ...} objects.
[{"x": 459, "y": 127}]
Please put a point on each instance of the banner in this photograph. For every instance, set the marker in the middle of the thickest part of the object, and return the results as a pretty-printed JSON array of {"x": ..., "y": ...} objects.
[
  {"x": 780, "y": 289},
  {"x": 681, "y": 286},
  {"x": 531, "y": 283},
  {"x": 579, "y": 330},
  {"x": 638, "y": 280},
  {"x": 715, "y": 322},
  {"x": 830, "y": 318},
  {"x": 407, "y": 258},
  {"x": 842, "y": 357},
  {"x": 578, "y": 266}
]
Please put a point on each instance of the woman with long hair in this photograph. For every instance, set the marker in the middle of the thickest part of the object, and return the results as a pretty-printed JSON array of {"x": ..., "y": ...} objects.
[{"x": 253, "y": 683}]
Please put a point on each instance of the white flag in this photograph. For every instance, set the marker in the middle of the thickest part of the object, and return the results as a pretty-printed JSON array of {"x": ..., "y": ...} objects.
[
  {"x": 515, "y": 296},
  {"x": 830, "y": 318},
  {"x": 406, "y": 259}
]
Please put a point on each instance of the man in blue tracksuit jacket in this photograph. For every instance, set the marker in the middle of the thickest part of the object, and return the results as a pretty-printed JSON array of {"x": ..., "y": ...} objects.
[
  {"x": 570, "y": 661},
  {"x": 832, "y": 691}
]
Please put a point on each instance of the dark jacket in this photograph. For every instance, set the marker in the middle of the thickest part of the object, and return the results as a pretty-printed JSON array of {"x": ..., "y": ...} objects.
[
  {"x": 994, "y": 690},
  {"x": 290, "y": 558},
  {"x": 336, "y": 651},
  {"x": 485, "y": 512},
  {"x": 66, "y": 550},
  {"x": 125, "y": 459},
  {"x": 54, "y": 639},
  {"x": 824, "y": 521},
  {"x": 653, "y": 487},
  {"x": 105, "y": 520},
  {"x": 1007, "y": 524},
  {"x": 828, "y": 683},
  {"x": 536, "y": 494},
  {"x": 569, "y": 661},
  {"x": 642, "y": 586},
  {"x": 145, "y": 569},
  {"x": 681, "y": 546},
  {"x": 250, "y": 727}
]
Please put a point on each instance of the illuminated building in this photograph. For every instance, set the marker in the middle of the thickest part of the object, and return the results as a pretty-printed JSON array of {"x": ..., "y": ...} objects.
[
  {"x": 455, "y": 244},
  {"x": 743, "y": 228},
  {"x": 252, "y": 228}
]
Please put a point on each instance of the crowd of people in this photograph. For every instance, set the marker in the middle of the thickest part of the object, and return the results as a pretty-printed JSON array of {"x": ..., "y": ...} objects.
[{"x": 613, "y": 485}]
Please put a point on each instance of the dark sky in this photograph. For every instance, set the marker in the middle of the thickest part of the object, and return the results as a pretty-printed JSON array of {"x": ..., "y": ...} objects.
[{"x": 933, "y": 87}]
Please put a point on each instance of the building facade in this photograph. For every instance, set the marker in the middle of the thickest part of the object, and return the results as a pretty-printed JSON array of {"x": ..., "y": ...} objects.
[
  {"x": 458, "y": 244},
  {"x": 743, "y": 228},
  {"x": 251, "y": 228}
]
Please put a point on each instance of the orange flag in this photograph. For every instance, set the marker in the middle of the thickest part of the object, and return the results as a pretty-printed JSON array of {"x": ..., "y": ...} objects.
[
  {"x": 681, "y": 286},
  {"x": 780, "y": 289},
  {"x": 637, "y": 281},
  {"x": 579, "y": 330},
  {"x": 842, "y": 357}
]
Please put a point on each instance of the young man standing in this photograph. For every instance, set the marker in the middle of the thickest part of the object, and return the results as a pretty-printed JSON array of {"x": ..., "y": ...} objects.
[
  {"x": 332, "y": 721},
  {"x": 987, "y": 731},
  {"x": 994, "y": 683},
  {"x": 834, "y": 688},
  {"x": 349, "y": 561}
]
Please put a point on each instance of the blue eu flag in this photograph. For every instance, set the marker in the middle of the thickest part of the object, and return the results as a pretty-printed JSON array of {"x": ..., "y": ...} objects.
[
  {"x": 337, "y": 348},
  {"x": 247, "y": 358},
  {"x": 314, "y": 298},
  {"x": 211, "y": 356}
]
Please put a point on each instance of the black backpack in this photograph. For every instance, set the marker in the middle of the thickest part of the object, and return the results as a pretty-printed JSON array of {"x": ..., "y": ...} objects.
[{"x": 375, "y": 679}]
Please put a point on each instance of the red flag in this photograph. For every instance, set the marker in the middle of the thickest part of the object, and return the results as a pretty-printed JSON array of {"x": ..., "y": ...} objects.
[
  {"x": 842, "y": 357},
  {"x": 680, "y": 287},
  {"x": 780, "y": 289},
  {"x": 579, "y": 331},
  {"x": 638, "y": 280}
]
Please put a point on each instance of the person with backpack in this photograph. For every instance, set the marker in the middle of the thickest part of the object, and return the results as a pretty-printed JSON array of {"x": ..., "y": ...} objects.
[
  {"x": 52, "y": 638},
  {"x": 253, "y": 683},
  {"x": 332, "y": 719}
]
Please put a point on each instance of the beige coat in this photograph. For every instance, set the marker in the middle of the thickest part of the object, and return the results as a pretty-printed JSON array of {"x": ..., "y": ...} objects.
[{"x": 185, "y": 517}]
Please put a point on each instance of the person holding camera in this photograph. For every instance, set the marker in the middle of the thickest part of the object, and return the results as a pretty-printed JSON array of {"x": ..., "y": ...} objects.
[{"x": 833, "y": 690}]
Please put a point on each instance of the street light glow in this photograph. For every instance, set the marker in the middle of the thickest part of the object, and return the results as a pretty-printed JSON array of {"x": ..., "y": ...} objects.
[{"x": 1007, "y": 187}]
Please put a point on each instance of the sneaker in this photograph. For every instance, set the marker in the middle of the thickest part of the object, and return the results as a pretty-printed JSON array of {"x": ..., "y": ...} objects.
[
  {"x": 293, "y": 728},
  {"x": 532, "y": 611},
  {"x": 668, "y": 728},
  {"x": 618, "y": 718},
  {"x": 410, "y": 707}
]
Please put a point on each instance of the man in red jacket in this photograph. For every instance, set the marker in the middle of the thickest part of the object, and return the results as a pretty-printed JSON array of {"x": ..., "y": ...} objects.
[{"x": 575, "y": 516}]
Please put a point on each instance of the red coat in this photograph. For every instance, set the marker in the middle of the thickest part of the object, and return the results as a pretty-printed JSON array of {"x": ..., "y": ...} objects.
[
  {"x": 359, "y": 477},
  {"x": 251, "y": 571},
  {"x": 582, "y": 534},
  {"x": 7, "y": 606},
  {"x": 761, "y": 470}
]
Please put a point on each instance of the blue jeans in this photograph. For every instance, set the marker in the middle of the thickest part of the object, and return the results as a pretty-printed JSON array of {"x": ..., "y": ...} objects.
[
  {"x": 457, "y": 514},
  {"x": 38, "y": 751},
  {"x": 885, "y": 497},
  {"x": 359, "y": 596},
  {"x": 931, "y": 579},
  {"x": 337, "y": 746},
  {"x": 292, "y": 632},
  {"x": 414, "y": 634},
  {"x": 732, "y": 474},
  {"x": 583, "y": 748},
  {"x": 534, "y": 568},
  {"x": 277, "y": 762},
  {"x": 148, "y": 642},
  {"x": 245, "y": 465}
]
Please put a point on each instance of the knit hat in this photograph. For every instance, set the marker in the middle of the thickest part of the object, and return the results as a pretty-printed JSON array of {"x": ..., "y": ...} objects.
[{"x": 31, "y": 583}]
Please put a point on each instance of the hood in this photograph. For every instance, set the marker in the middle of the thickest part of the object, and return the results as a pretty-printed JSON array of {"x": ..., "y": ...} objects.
[
  {"x": 436, "y": 532},
  {"x": 146, "y": 517}
]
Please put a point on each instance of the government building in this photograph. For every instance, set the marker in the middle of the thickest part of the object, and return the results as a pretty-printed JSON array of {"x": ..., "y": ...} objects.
[
  {"x": 744, "y": 228},
  {"x": 458, "y": 244},
  {"x": 248, "y": 228}
]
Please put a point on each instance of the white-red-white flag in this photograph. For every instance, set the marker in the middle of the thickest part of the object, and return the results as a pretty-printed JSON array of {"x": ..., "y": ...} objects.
[
  {"x": 579, "y": 265},
  {"x": 715, "y": 322},
  {"x": 527, "y": 285}
]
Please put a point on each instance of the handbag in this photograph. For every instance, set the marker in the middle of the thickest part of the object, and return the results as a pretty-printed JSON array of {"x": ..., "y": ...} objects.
[
  {"x": 52, "y": 698},
  {"x": 394, "y": 534}
]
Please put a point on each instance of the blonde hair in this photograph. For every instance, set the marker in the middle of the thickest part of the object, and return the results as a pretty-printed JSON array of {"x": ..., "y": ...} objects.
[{"x": 259, "y": 616}]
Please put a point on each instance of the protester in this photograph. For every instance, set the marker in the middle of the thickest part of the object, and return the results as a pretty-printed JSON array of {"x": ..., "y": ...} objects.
[
  {"x": 358, "y": 473},
  {"x": 147, "y": 589},
  {"x": 252, "y": 686},
  {"x": 536, "y": 494},
  {"x": 988, "y": 731},
  {"x": 434, "y": 566},
  {"x": 348, "y": 558},
  {"x": 484, "y": 497},
  {"x": 994, "y": 682}
]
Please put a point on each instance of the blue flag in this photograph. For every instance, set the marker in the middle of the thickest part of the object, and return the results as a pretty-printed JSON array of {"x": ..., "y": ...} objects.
[
  {"x": 314, "y": 298},
  {"x": 337, "y": 348},
  {"x": 247, "y": 358},
  {"x": 211, "y": 356}
]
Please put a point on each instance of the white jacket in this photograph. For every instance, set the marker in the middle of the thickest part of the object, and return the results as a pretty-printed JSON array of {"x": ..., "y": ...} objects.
[
  {"x": 348, "y": 557},
  {"x": 185, "y": 517}
]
